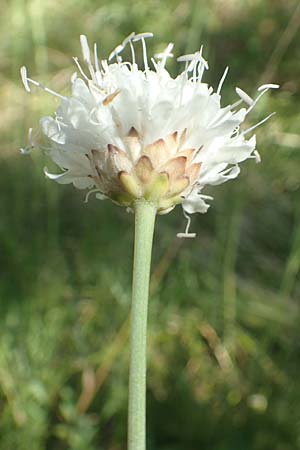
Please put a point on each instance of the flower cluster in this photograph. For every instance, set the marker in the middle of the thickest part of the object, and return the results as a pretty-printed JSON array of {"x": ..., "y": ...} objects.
[{"x": 130, "y": 133}]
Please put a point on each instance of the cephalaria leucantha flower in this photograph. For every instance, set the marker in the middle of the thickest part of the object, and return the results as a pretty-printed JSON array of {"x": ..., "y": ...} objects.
[{"x": 130, "y": 133}]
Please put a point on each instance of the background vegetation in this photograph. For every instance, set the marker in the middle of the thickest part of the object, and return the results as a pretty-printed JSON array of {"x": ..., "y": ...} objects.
[{"x": 224, "y": 348}]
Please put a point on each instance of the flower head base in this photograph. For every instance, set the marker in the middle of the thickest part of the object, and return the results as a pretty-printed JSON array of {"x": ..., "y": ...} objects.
[
  {"x": 161, "y": 172},
  {"x": 130, "y": 133}
]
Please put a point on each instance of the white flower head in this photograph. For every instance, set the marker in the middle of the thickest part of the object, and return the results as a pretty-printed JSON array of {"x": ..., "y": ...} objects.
[{"x": 131, "y": 133}]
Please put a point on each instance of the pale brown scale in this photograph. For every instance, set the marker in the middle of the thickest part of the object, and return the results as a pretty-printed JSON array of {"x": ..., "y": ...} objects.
[
  {"x": 144, "y": 169},
  {"x": 175, "y": 167},
  {"x": 158, "y": 152},
  {"x": 193, "y": 172},
  {"x": 189, "y": 153},
  {"x": 178, "y": 185},
  {"x": 172, "y": 142}
]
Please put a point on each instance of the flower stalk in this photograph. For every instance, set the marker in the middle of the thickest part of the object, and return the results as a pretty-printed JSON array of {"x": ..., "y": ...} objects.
[{"x": 145, "y": 213}]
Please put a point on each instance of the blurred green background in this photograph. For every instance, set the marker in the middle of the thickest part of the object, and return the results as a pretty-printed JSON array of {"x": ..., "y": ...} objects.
[{"x": 224, "y": 347}]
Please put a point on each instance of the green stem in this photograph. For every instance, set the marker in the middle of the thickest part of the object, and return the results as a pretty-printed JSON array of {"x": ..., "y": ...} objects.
[{"x": 144, "y": 227}]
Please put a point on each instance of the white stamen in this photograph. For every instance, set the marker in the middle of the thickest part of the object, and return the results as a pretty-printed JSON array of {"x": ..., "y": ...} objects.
[
  {"x": 26, "y": 150},
  {"x": 57, "y": 120},
  {"x": 194, "y": 77},
  {"x": 257, "y": 125},
  {"x": 128, "y": 39},
  {"x": 244, "y": 96},
  {"x": 257, "y": 156},
  {"x": 132, "y": 52},
  {"x": 85, "y": 49},
  {"x": 146, "y": 67},
  {"x": 92, "y": 191},
  {"x": 193, "y": 57},
  {"x": 87, "y": 55},
  {"x": 268, "y": 86},
  {"x": 186, "y": 233},
  {"x": 80, "y": 68},
  {"x": 167, "y": 53},
  {"x": 235, "y": 104},
  {"x": 104, "y": 64},
  {"x": 96, "y": 58},
  {"x": 50, "y": 91},
  {"x": 101, "y": 196},
  {"x": 206, "y": 197},
  {"x": 155, "y": 65},
  {"x": 140, "y": 36},
  {"x": 187, "y": 58},
  {"x": 257, "y": 100},
  {"x": 115, "y": 52},
  {"x": 222, "y": 80},
  {"x": 30, "y": 140},
  {"x": 23, "y": 72},
  {"x": 203, "y": 61},
  {"x": 201, "y": 68}
]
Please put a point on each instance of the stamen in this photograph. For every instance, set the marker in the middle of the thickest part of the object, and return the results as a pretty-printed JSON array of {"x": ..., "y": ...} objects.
[
  {"x": 96, "y": 60},
  {"x": 104, "y": 64},
  {"x": 201, "y": 68},
  {"x": 85, "y": 49},
  {"x": 245, "y": 97},
  {"x": 23, "y": 72},
  {"x": 92, "y": 191},
  {"x": 194, "y": 77},
  {"x": 140, "y": 36},
  {"x": 155, "y": 65},
  {"x": 128, "y": 39},
  {"x": 132, "y": 52},
  {"x": 167, "y": 53},
  {"x": 197, "y": 56},
  {"x": 44, "y": 88},
  {"x": 206, "y": 197},
  {"x": 268, "y": 86},
  {"x": 30, "y": 140},
  {"x": 58, "y": 124},
  {"x": 26, "y": 150},
  {"x": 257, "y": 125},
  {"x": 186, "y": 58},
  {"x": 87, "y": 55},
  {"x": 115, "y": 52},
  {"x": 186, "y": 233},
  {"x": 122, "y": 46},
  {"x": 256, "y": 100},
  {"x": 222, "y": 80},
  {"x": 146, "y": 67},
  {"x": 80, "y": 68},
  {"x": 235, "y": 104},
  {"x": 257, "y": 157},
  {"x": 194, "y": 62}
]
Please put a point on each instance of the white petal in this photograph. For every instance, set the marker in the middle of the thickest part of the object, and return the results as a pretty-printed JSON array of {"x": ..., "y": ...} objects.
[
  {"x": 52, "y": 130},
  {"x": 194, "y": 203}
]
